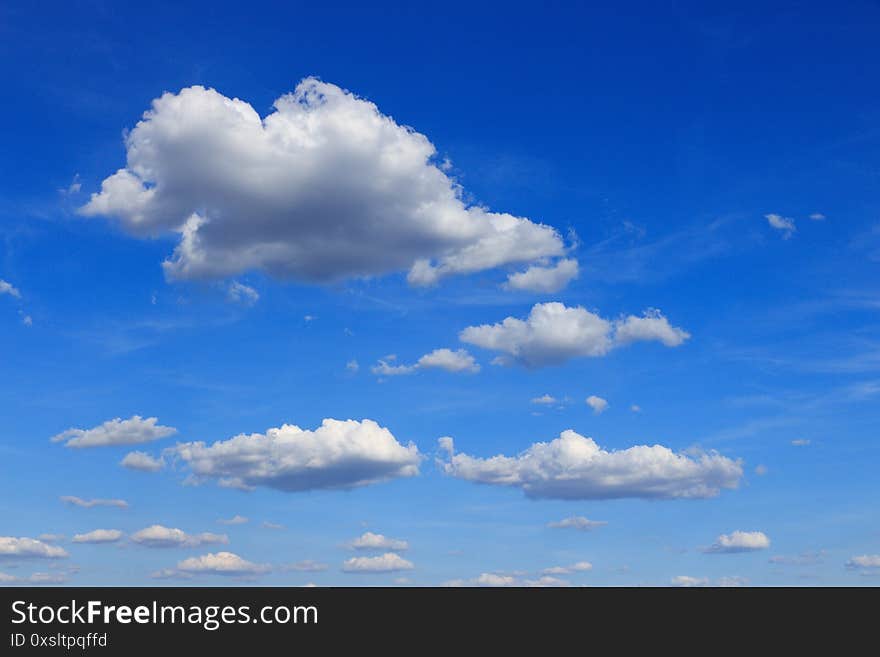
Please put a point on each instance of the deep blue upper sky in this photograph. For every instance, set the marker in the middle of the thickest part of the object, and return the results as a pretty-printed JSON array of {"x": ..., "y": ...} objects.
[{"x": 654, "y": 138}]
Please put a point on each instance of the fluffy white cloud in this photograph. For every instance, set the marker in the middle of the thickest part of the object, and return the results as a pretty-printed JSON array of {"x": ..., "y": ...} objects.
[
  {"x": 88, "y": 504},
  {"x": 443, "y": 359},
  {"x": 739, "y": 541},
  {"x": 780, "y": 223},
  {"x": 650, "y": 326},
  {"x": 554, "y": 333},
  {"x": 864, "y": 562},
  {"x": 545, "y": 400},
  {"x": 234, "y": 520},
  {"x": 325, "y": 187},
  {"x": 98, "y": 536},
  {"x": 158, "y": 536},
  {"x": 579, "y": 567},
  {"x": 241, "y": 293},
  {"x": 371, "y": 541},
  {"x": 598, "y": 404},
  {"x": 12, "y": 547},
  {"x": 577, "y": 522},
  {"x": 10, "y": 289},
  {"x": 141, "y": 461},
  {"x": 386, "y": 563},
  {"x": 575, "y": 467},
  {"x": 220, "y": 563},
  {"x": 336, "y": 455},
  {"x": 544, "y": 279},
  {"x": 116, "y": 432}
]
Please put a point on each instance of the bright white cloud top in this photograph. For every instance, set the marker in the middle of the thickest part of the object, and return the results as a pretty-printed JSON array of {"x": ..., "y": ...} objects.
[
  {"x": 337, "y": 455},
  {"x": 159, "y": 536},
  {"x": 554, "y": 333},
  {"x": 575, "y": 467},
  {"x": 29, "y": 548},
  {"x": 385, "y": 563},
  {"x": 325, "y": 187},
  {"x": 864, "y": 562},
  {"x": 739, "y": 541},
  {"x": 132, "y": 431},
  {"x": 443, "y": 359},
  {"x": 371, "y": 541}
]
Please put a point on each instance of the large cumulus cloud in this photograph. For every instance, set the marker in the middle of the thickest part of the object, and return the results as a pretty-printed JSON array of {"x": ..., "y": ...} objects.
[
  {"x": 575, "y": 467},
  {"x": 337, "y": 455},
  {"x": 325, "y": 187}
]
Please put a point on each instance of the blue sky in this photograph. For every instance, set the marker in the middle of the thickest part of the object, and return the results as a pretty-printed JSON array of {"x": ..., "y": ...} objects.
[{"x": 716, "y": 170}]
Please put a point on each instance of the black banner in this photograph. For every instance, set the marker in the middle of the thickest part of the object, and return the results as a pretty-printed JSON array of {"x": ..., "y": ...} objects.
[{"x": 130, "y": 620}]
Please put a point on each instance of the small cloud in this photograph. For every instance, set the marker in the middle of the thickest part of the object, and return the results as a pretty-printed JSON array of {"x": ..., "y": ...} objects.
[
  {"x": 29, "y": 548},
  {"x": 443, "y": 359},
  {"x": 310, "y": 318},
  {"x": 116, "y": 432},
  {"x": 27, "y": 320},
  {"x": 577, "y": 522},
  {"x": 546, "y": 280},
  {"x": 221, "y": 563},
  {"x": 598, "y": 404},
  {"x": 73, "y": 188},
  {"x": 98, "y": 536},
  {"x": 386, "y": 563},
  {"x": 142, "y": 461},
  {"x": 738, "y": 541},
  {"x": 780, "y": 223},
  {"x": 760, "y": 469},
  {"x": 687, "y": 581},
  {"x": 158, "y": 536},
  {"x": 88, "y": 504},
  {"x": 271, "y": 525},
  {"x": 579, "y": 567},
  {"x": 545, "y": 400},
  {"x": 818, "y": 216},
  {"x": 234, "y": 520},
  {"x": 10, "y": 289},
  {"x": 485, "y": 579},
  {"x": 371, "y": 541},
  {"x": 241, "y": 293},
  {"x": 865, "y": 562},
  {"x": 635, "y": 408},
  {"x": 352, "y": 366},
  {"x": 801, "y": 442}
]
